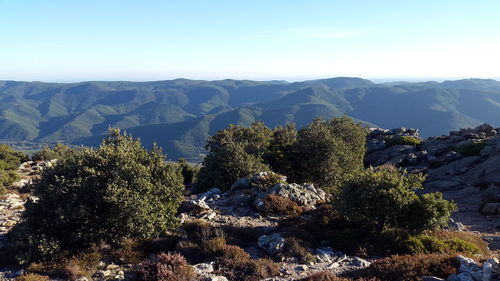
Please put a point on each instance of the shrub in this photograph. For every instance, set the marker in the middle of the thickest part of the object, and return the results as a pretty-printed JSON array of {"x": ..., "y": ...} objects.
[
  {"x": 267, "y": 180},
  {"x": 32, "y": 277},
  {"x": 234, "y": 153},
  {"x": 8, "y": 176},
  {"x": 82, "y": 265},
  {"x": 233, "y": 252},
  {"x": 248, "y": 269},
  {"x": 188, "y": 171},
  {"x": 402, "y": 140},
  {"x": 9, "y": 161},
  {"x": 327, "y": 151},
  {"x": 449, "y": 243},
  {"x": 280, "y": 154},
  {"x": 329, "y": 276},
  {"x": 166, "y": 266},
  {"x": 412, "y": 267},
  {"x": 471, "y": 149},
  {"x": 296, "y": 248},
  {"x": 59, "y": 151},
  {"x": 386, "y": 198},
  {"x": 279, "y": 205},
  {"x": 108, "y": 194},
  {"x": 129, "y": 251}
]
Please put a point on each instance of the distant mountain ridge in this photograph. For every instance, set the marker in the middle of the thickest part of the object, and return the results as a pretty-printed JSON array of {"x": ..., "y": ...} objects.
[{"x": 180, "y": 114}]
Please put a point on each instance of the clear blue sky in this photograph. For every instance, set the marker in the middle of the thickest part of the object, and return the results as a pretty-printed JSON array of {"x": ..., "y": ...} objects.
[{"x": 74, "y": 40}]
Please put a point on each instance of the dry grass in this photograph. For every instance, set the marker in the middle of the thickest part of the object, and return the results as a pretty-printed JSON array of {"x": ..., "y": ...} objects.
[
  {"x": 166, "y": 267},
  {"x": 411, "y": 267},
  {"x": 279, "y": 205},
  {"x": 32, "y": 277}
]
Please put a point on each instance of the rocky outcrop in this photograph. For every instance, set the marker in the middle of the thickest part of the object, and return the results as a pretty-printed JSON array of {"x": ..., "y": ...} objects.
[
  {"x": 304, "y": 195},
  {"x": 463, "y": 158}
]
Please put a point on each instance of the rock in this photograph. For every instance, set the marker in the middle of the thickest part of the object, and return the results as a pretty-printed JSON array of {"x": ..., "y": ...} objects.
[
  {"x": 467, "y": 265},
  {"x": 431, "y": 278},
  {"x": 453, "y": 225},
  {"x": 216, "y": 278},
  {"x": 491, "y": 208},
  {"x": 443, "y": 185},
  {"x": 204, "y": 268},
  {"x": 454, "y": 168},
  {"x": 477, "y": 275},
  {"x": 486, "y": 151},
  {"x": 460, "y": 277},
  {"x": 358, "y": 262},
  {"x": 242, "y": 183},
  {"x": 272, "y": 244},
  {"x": 301, "y": 268},
  {"x": 304, "y": 195}
]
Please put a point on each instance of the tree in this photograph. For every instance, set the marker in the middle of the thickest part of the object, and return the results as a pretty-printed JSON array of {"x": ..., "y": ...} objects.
[
  {"x": 327, "y": 151},
  {"x": 280, "y": 155},
  {"x": 47, "y": 153},
  {"x": 386, "y": 198},
  {"x": 9, "y": 161},
  {"x": 108, "y": 194},
  {"x": 233, "y": 153}
]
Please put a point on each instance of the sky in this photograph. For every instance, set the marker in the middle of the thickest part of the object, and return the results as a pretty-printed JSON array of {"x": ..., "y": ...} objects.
[{"x": 144, "y": 40}]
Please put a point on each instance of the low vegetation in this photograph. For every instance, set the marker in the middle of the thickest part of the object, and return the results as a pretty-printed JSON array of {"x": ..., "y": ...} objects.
[
  {"x": 405, "y": 140},
  {"x": 471, "y": 149},
  {"x": 109, "y": 194},
  {"x": 9, "y": 161},
  {"x": 325, "y": 152}
]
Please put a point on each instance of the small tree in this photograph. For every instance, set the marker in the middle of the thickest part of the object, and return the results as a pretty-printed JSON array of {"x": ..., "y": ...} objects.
[
  {"x": 46, "y": 153},
  {"x": 327, "y": 151},
  {"x": 233, "y": 153},
  {"x": 9, "y": 161},
  {"x": 386, "y": 198},
  {"x": 117, "y": 191}
]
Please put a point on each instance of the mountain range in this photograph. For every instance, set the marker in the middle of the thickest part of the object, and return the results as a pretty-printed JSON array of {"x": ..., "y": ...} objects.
[{"x": 180, "y": 114}]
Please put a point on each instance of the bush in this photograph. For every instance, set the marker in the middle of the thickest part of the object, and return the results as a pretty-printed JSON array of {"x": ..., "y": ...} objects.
[
  {"x": 412, "y": 267},
  {"x": 32, "y": 277},
  {"x": 328, "y": 151},
  {"x": 9, "y": 161},
  {"x": 188, "y": 171},
  {"x": 386, "y": 198},
  {"x": 448, "y": 242},
  {"x": 471, "y": 149},
  {"x": 267, "y": 180},
  {"x": 234, "y": 153},
  {"x": 82, "y": 265},
  {"x": 402, "y": 140},
  {"x": 59, "y": 151},
  {"x": 8, "y": 176},
  {"x": 279, "y": 205},
  {"x": 166, "y": 266},
  {"x": 108, "y": 194},
  {"x": 248, "y": 269}
]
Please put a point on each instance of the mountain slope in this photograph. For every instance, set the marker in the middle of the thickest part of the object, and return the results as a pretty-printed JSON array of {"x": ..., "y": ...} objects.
[{"x": 180, "y": 114}]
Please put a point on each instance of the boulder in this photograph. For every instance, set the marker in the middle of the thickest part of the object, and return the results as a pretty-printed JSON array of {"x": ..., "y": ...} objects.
[
  {"x": 491, "y": 208},
  {"x": 272, "y": 244},
  {"x": 304, "y": 195},
  {"x": 467, "y": 265}
]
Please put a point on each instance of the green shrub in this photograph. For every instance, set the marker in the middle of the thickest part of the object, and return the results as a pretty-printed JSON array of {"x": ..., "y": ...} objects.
[
  {"x": 234, "y": 153},
  {"x": 9, "y": 162},
  {"x": 428, "y": 244},
  {"x": 59, "y": 151},
  {"x": 402, "y": 140},
  {"x": 7, "y": 176},
  {"x": 327, "y": 151},
  {"x": 386, "y": 198},
  {"x": 471, "y": 149},
  {"x": 188, "y": 171},
  {"x": 108, "y": 194}
]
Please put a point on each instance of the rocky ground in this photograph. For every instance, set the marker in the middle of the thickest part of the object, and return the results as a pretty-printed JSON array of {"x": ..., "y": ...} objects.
[
  {"x": 470, "y": 178},
  {"x": 464, "y": 166}
]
